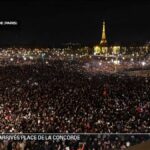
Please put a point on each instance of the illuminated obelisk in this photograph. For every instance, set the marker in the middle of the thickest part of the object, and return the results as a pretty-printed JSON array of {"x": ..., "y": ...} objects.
[
  {"x": 103, "y": 41},
  {"x": 102, "y": 48}
]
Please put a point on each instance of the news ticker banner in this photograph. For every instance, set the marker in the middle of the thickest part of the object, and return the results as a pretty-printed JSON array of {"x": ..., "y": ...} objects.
[{"x": 64, "y": 136}]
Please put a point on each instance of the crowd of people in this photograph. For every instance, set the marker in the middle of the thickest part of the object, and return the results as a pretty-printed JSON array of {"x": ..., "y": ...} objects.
[{"x": 61, "y": 97}]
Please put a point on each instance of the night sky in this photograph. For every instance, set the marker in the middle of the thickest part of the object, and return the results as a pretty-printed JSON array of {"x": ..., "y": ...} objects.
[{"x": 57, "y": 22}]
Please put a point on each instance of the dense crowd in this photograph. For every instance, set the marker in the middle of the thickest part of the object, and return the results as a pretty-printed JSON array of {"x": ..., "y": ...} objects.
[{"x": 61, "y": 97}]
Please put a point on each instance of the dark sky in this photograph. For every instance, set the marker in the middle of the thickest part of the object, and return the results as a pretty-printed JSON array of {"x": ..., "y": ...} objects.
[{"x": 75, "y": 21}]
